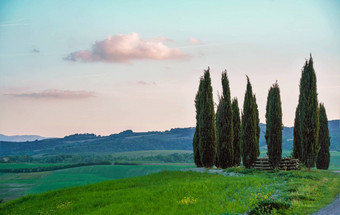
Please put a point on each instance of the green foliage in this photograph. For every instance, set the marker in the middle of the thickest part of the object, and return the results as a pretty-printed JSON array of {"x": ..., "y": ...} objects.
[
  {"x": 207, "y": 126},
  {"x": 309, "y": 115},
  {"x": 237, "y": 132},
  {"x": 269, "y": 206},
  {"x": 274, "y": 125},
  {"x": 224, "y": 127},
  {"x": 323, "y": 159},
  {"x": 258, "y": 129},
  {"x": 195, "y": 144},
  {"x": 297, "y": 147},
  {"x": 249, "y": 128}
]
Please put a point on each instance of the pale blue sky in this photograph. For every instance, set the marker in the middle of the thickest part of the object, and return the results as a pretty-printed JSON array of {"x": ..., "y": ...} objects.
[{"x": 267, "y": 40}]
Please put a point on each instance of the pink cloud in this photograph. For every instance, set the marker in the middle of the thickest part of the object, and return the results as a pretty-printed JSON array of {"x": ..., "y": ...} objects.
[
  {"x": 146, "y": 83},
  {"x": 194, "y": 40},
  {"x": 56, "y": 94},
  {"x": 124, "y": 48}
]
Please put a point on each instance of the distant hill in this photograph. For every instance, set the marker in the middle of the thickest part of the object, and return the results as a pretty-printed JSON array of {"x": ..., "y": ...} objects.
[
  {"x": 21, "y": 138},
  {"x": 174, "y": 139}
]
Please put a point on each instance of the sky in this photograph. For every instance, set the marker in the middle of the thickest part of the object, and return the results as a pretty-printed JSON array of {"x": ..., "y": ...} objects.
[{"x": 102, "y": 67}]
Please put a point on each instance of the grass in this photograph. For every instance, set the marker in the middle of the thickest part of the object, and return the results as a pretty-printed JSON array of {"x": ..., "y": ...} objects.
[
  {"x": 14, "y": 185},
  {"x": 136, "y": 154},
  {"x": 188, "y": 193},
  {"x": 335, "y": 161},
  {"x": 27, "y": 165}
]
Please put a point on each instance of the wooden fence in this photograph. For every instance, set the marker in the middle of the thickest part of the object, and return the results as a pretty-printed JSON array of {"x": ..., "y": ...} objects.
[{"x": 263, "y": 163}]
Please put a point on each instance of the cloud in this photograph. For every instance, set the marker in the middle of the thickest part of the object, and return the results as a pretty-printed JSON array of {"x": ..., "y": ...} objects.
[
  {"x": 162, "y": 39},
  {"x": 123, "y": 48},
  {"x": 146, "y": 83},
  {"x": 194, "y": 40},
  {"x": 55, "y": 94}
]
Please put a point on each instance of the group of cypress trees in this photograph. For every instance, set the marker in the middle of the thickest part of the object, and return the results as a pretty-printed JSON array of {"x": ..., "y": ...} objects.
[
  {"x": 225, "y": 129},
  {"x": 311, "y": 135},
  {"x": 225, "y": 138}
]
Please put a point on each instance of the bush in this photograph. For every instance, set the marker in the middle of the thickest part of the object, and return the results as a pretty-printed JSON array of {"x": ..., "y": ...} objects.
[{"x": 268, "y": 206}]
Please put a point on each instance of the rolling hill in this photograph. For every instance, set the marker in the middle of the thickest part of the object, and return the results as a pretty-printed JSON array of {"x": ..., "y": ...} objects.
[
  {"x": 21, "y": 138},
  {"x": 174, "y": 139}
]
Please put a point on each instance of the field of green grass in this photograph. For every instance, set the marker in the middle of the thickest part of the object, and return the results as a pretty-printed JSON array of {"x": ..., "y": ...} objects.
[
  {"x": 335, "y": 161},
  {"x": 14, "y": 185},
  {"x": 136, "y": 154},
  {"x": 27, "y": 165},
  {"x": 294, "y": 192}
]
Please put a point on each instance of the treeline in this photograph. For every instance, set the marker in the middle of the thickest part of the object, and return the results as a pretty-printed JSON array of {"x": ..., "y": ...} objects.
[
  {"x": 171, "y": 158},
  {"x": 222, "y": 139},
  {"x": 51, "y": 168},
  {"x": 174, "y": 139}
]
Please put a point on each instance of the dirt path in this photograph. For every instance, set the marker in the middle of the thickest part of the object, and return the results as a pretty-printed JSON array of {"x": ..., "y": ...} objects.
[{"x": 333, "y": 208}]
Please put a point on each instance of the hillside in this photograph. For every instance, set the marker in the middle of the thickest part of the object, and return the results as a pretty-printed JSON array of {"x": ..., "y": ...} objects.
[
  {"x": 21, "y": 138},
  {"x": 174, "y": 139},
  {"x": 300, "y": 192}
]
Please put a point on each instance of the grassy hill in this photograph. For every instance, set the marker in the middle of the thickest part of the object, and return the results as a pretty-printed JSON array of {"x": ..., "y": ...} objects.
[
  {"x": 174, "y": 139},
  {"x": 295, "y": 192},
  {"x": 14, "y": 185}
]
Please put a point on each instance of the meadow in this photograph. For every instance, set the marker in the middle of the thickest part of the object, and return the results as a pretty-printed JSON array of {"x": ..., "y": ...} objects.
[
  {"x": 136, "y": 154},
  {"x": 294, "y": 192},
  {"x": 14, "y": 185},
  {"x": 27, "y": 165}
]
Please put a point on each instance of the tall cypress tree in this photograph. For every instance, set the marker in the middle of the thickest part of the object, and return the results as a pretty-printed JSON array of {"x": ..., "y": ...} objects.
[
  {"x": 249, "y": 128},
  {"x": 322, "y": 161},
  {"x": 195, "y": 144},
  {"x": 207, "y": 126},
  {"x": 297, "y": 147},
  {"x": 309, "y": 115},
  {"x": 224, "y": 126},
  {"x": 258, "y": 130},
  {"x": 237, "y": 132},
  {"x": 274, "y": 125}
]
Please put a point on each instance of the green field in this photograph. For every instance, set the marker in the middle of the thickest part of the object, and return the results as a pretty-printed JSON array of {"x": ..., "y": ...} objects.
[
  {"x": 295, "y": 192},
  {"x": 27, "y": 165},
  {"x": 335, "y": 161},
  {"x": 14, "y": 185},
  {"x": 136, "y": 154}
]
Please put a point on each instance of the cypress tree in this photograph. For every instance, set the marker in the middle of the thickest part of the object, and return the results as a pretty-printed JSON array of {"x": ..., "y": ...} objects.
[
  {"x": 249, "y": 128},
  {"x": 309, "y": 115},
  {"x": 207, "y": 126},
  {"x": 297, "y": 148},
  {"x": 237, "y": 132},
  {"x": 274, "y": 125},
  {"x": 224, "y": 126},
  {"x": 195, "y": 143},
  {"x": 258, "y": 130},
  {"x": 322, "y": 161}
]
